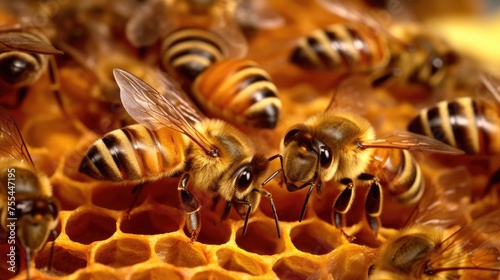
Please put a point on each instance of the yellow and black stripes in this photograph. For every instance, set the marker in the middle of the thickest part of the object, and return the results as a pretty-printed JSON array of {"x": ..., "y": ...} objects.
[
  {"x": 472, "y": 125},
  {"x": 408, "y": 186},
  {"x": 188, "y": 52},
  {"x": 134, "y": 153},
  {"x": 241, "y": 90},
  {"x": 342, "y": 47}
]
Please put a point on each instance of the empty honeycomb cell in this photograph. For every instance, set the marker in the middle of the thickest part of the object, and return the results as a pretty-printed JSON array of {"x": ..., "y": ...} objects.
[
  {"x": 315, "y": 237},
  {"x": 152, "y": 221},
  {"x": 213, "y": 274},
  {"x": 264, "y": 231},
  {"x": 234, "y": 261},
  {"x": 294, "y": 267},
  {"x": 123, "y": 252},
  {"x": 88, "y": 226},
  {"x": 65, "y": 261},
  {"x": 213, "y": 231},
  {"x": 180, "y": 252},
  {"x": 156, "y": 272},
  {"x": 116, "y": 196}
]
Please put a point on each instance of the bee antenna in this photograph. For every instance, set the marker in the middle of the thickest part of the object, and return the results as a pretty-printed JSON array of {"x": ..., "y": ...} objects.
[
  {"x": 245, "y": 225},
  {"x": 303, "y": 211}
]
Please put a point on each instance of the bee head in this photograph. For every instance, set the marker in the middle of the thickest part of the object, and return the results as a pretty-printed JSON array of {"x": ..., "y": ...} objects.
[
  {"x": 304, "y": 154},
  {"x": 17, "y": 69}
]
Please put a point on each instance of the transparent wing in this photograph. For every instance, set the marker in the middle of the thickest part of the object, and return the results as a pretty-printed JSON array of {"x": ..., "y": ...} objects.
[
  {"x": 492, "y": 84},
  {"x": 259, "y": 14},
  {"x": 154, "y": 110},
  {"x": 411, "y": 141},
  {"x": 11, "y": 141},
  {"x": 147, "y": 23},
  {"x": 444, "y": 201},
  {"x": 351, "y": 94},
  {"x": 473, "y": 247},
  {"x": 27, "y": 42}
]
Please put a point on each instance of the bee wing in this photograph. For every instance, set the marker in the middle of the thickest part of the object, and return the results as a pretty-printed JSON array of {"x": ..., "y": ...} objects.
[
  {"x": 258, "y": 13},
  {"x": 411, "y": 141},
  {"x": 11, "y": 141},
  {"x": 475, "y": 246},
  {"x": 492, "y": 84},
  {"x": 351, "y": 94},
  {"x": 147, "y": 23},
  {"x": 154, "y": 110},
  {"x": 442, "y": 204},
  {"x": 21, "y": 41}
]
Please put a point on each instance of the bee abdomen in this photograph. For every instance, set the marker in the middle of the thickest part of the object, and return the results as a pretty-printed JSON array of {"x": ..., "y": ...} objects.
[
  {"x": 243, "y": 91},
  {"x": 342, "y": 47},
  {"x": 188, "y": 52},
  {"x": 408, "y": 186},
  {"x": 133, "y": 153},
  {"x": 472, "y": 125}
]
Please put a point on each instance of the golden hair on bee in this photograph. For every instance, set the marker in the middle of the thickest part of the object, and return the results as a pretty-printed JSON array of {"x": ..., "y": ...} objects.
[
  {"x": 174, "y": 138},
  {"x": 25, "y": 194}
]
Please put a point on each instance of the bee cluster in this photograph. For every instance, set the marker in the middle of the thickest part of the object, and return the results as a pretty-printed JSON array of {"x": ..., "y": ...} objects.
[{"x": 234, "y": 139}]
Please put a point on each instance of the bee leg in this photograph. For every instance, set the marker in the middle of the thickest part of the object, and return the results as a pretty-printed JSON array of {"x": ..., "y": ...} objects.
[
  {"x": 293, "y": 188},
  {"x": 136, "y": 191},
  {"x": 27, "y": 250},
  {"x": 215, "y": 201},
  {"x": 273, "y": 207},
  {"x": 385, "y": 78},
  {"x": 191, "y": 206},
  {"x": 225, "y": 213},
  {"x": 54, "y": 236},
  {"x": 494, "y": 180},
  {"x": 342, "y": 205},
  {"x": 245, "y": 215},
  {"x": 373, "y": 202},
  {"x": 275, "y": 173}
]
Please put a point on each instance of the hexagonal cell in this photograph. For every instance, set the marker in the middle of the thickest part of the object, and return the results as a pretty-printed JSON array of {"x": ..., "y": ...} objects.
[
  {"x": 178, "y": 252},
  {"x": 232, "y": 260},
  {"x": 123, "y": 252},
  {"x": 295, "y": 267},
  {"x": 65, "y": 260},
  {"x": 212, "y": 230},
  {"x": 116, "y": 197},
  {"x": 152, "y": 221},
  {"x": 157, "y": 272},
  {"x": 316, "y": 237},
  {"x": 213, "y": 274},
  {"x": 87, "y": 226},
  {"x": 261, "y": 238}
]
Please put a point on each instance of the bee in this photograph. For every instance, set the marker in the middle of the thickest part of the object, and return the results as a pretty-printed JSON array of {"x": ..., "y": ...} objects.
[
  {"x": 421, "y": 251},
  {"x": 341, "y": 146},
  {"x": 401, "y": 53},
  {"x": 173, "y": 138},
  {"x": 24, "y": 57},
  {"x": 238, "y": 90},
  {"x": 28, "y": 210}
]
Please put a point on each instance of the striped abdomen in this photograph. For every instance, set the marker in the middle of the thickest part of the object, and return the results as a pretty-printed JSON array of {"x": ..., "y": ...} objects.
[
  {"x": 342, "y": 47},
  {"x": 472, "y": 125},
  {"x": 134, "y": 153},
  {"x": 188, "y": 52},
  {"x": 399, "y": 174},
  {"x": 238, "y": 90}
]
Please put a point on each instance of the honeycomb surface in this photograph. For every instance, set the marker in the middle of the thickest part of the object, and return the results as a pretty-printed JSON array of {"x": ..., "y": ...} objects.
[{"x": 97, "y": 240}]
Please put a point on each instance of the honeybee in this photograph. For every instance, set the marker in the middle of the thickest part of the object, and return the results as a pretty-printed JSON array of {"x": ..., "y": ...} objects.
[
  {"x": 421, "y": 250},
  {"x": 342, "y": 147},
  {"x": 401, "y": 53},
  {"x": 240, "y": 91},
  {"x": 28, "y": 210},
  {"x": 173, "y": 138},
  {"x": 24, "y": 57}
]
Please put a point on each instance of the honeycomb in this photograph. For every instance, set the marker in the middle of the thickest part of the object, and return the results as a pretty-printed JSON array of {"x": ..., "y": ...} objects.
[{"x": 98, "y": 240}]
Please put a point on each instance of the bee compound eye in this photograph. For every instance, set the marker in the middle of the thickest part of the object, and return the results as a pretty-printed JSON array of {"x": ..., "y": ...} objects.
[
  {"x": 325, "y": 156},
  {"x": 15, "y": 70},
  {"x": 244, "y": 179}
]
